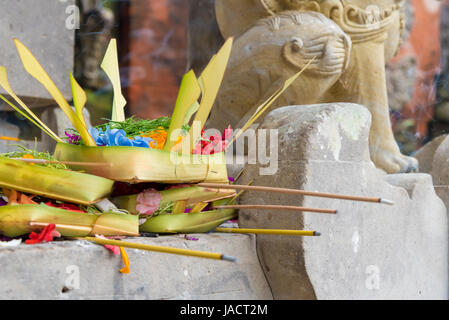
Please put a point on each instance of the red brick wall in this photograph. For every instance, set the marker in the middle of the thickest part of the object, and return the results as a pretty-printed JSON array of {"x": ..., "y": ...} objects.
[{"x": 157, "y": 55}]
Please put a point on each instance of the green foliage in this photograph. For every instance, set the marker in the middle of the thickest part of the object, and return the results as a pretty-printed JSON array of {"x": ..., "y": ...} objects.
[
  {"x": 134, "y": 126},
  {"x": 167, "y": 209}
]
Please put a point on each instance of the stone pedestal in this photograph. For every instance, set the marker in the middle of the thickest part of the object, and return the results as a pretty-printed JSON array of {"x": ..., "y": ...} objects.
[
  {"x": 82, "y": 270},
  {"x": 366, "y": 250},
  {"x": 434, "y": 159}
]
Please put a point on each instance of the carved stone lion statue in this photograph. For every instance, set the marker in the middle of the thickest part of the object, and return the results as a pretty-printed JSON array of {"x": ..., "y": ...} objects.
[{"x": 350, "y": 42}]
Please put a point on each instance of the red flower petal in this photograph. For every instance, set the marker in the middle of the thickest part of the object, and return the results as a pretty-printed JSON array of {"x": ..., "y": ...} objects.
[{"x": 46, "y": 235}]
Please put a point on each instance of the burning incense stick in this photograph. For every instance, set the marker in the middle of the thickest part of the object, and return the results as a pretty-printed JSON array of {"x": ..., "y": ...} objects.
[
  {"x": 275, "y": 207},
  {"x": 295, "y": 191},
  {"x": 270, "y": 231},
  {"x": 148, "y": 247},
  {"x": 73, "y": 163}
]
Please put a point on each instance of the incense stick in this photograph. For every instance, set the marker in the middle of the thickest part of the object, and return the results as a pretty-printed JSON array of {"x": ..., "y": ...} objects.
[
  {"x": 83, "y": 228},
  {"x": 270, "y": 231},
  {"x": 148, "y": 247},
  {"x": 295, "y": 191},
  {"x": 74, "y": 163},
  {"x": 61, "y": 226},
  {"x": 9, "y": 138},
  {"x": 275, "y": 207}
]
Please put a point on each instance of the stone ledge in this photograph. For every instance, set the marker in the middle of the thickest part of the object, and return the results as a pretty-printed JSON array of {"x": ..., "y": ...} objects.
[
  {"x": 366, "y": 250},
  {"x": 40, "y": 271}
]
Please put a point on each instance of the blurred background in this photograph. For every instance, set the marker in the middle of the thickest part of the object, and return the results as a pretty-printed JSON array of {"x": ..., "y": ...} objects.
[{"x": 160, "y": 40}]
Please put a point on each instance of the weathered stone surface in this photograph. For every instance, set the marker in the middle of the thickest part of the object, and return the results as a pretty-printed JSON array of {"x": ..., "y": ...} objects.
[
  {"x": 48, "y": 271},
  {"x": 367, "y": 250},
  {"x": 426, "y": 154},
  {"x": 45, "y": 32},
  {"x": 9, "y": 129},
  {"x": 440, "y": 168}
]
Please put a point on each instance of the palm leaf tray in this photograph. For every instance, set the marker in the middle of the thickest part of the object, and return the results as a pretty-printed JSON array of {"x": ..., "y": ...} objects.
[
  {"x": 127, "y": 164},
  {"x": 118, "y": 163}
]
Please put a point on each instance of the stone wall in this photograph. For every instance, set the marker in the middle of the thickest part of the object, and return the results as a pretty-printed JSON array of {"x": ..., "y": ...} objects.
[
  {"x": 48, "y": 31},
  {"x": 367, "y": 250},
  {"x": 82, "y": 270}
]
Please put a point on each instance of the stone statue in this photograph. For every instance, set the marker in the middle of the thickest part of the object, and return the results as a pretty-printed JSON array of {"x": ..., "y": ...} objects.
[{"x": 350, "y": 42}]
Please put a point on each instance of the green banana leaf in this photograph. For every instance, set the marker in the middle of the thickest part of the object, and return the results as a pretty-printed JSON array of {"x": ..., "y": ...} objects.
[
  {"x": 192, "y": 194},
  {"x": 134, "y": 164},
  {"x": 17, "y": 220},
  {"x": 187, "y": 222},
  {"x": 65, "y": 185}
]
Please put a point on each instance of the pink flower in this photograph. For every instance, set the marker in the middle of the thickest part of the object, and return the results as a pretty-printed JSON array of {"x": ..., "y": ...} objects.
[
  {"x": 148, "y": 201},
  {"x": 227, "y": 134}
]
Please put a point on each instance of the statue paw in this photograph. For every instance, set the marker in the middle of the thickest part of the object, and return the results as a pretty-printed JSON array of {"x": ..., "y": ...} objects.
[{"x": 394, "y": 162}]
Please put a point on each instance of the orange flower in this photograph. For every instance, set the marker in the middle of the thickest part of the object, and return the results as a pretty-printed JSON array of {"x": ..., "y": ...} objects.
[
  {"x": 28, "y": 156},
  {"x": 159, "y": 136}
]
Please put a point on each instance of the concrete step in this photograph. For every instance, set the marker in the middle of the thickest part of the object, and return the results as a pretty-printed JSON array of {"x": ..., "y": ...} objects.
[{"x": 83, "y": 270}]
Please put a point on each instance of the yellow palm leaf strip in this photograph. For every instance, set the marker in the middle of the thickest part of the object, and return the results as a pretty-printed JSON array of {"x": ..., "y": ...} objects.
[
  {"x": 198, "y": 207},
  {"x": 125, "y": 260},
  {"x": 33, "y": 67},
  {"x": 189, "y": 92},
  {"x": 179, "y": 206},
  {"x": 4, "y": 83},
  {"x": 29, "y": 119},
  {"x": 79, "y": 98},
  {"x": 111, "y": 68},
  {"x": 210, "y": 79},
  {"x": 265, "y": 105}
]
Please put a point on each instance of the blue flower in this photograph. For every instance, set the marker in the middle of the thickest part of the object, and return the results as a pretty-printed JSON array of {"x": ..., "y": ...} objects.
[{"x": 117, "y": 137}]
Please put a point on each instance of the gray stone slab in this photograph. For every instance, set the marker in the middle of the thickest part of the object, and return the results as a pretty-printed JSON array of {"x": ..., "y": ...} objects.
[
  {"x": 367, "y": 250},
  {"x": 49, "y": 271},
  {"x": 42, "y": 27},
  {"x": 10, "y": 130},
  {"x": 436, "y": 157},
  {"x": 425, "y": 155}
]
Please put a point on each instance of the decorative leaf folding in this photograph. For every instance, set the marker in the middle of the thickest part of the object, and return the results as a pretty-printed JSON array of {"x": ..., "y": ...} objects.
[
  {"x": 33, "y": 67},
  {"x": 111, "y": 68}
]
